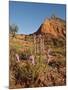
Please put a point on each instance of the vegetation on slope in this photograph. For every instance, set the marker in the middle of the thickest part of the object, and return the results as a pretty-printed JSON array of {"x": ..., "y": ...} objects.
[{"x": 49, "y": 68}]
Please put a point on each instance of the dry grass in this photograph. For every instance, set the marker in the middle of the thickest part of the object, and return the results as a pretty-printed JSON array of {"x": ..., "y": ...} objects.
[{"x": 23, "y": 74}]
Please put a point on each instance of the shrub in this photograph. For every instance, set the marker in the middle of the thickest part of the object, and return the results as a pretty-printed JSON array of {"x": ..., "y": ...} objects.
[{"x": 38, "y": 75}]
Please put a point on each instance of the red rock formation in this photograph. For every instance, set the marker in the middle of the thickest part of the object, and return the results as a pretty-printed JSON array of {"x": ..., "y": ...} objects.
[{"x": 53, "y": 26}]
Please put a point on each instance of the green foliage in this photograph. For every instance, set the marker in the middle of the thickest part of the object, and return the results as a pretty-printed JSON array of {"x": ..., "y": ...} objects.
[{"x": 13, "y": 29}]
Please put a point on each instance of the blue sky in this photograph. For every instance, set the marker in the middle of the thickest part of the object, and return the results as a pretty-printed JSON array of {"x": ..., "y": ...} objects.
[{"x": 29, "y": 16}]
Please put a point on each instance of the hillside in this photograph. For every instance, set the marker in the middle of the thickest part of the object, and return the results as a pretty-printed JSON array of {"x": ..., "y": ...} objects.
[
  {"x": 53, "y": 26},
  {"x": 47, "y": 47}
]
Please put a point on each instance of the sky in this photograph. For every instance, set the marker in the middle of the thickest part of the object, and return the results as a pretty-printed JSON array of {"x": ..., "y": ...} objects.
[{"x": 29, "y": 16}]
